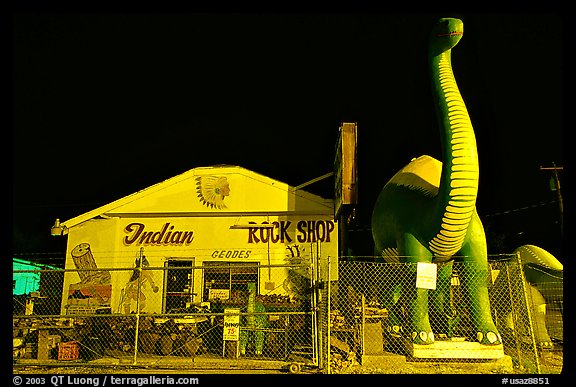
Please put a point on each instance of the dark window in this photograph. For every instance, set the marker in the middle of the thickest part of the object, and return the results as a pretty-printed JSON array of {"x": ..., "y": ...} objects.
[
  {"x": 179, "y": 289},
  {"x": 231, "y": 276}
]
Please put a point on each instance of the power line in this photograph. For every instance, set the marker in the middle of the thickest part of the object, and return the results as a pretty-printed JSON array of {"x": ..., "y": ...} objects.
[{"x": 521, "y": 208}]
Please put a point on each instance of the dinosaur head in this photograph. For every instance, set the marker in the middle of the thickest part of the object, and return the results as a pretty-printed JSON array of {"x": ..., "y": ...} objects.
[
  {"x": 445, "y": 35},
  {"x": 534, "y": 255}
]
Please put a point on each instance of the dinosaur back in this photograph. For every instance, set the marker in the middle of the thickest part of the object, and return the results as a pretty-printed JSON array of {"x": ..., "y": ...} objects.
[
  {"x": 422, "y": 174},
  {"x": 404, "y": 200}
]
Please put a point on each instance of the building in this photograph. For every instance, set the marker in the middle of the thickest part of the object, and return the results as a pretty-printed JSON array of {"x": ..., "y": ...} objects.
[
  {"x": 25, "y": 276},
  {"x": 205, "y": 217}
]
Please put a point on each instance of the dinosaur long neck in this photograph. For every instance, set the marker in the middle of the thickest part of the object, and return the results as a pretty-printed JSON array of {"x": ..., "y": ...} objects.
[{"x": 458, "y": 189}]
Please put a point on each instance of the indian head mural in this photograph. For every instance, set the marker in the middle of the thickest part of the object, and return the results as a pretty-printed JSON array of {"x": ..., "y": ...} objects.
[{"x": 212, "y": 190}]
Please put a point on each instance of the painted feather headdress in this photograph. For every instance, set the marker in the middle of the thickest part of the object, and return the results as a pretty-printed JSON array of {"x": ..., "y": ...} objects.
[{"x": 212, "y": 190}]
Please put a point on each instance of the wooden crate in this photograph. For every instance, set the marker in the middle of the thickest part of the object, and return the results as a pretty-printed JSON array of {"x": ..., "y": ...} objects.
[{"x": 68, "y": 351}]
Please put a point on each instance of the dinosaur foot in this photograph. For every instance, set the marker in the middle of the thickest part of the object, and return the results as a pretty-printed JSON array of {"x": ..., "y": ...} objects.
[
  {"x": 489, "y": 338},
  {"x": 395, "y": 330},
  {"x": 545, "y": 345},
  {"x": 423, "y": 337}
]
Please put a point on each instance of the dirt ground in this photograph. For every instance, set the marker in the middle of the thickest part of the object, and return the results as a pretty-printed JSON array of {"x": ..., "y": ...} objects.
[{"x": 550, "y": 363}]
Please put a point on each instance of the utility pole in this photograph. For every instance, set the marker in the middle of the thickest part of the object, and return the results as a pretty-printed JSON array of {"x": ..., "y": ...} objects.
[{"x": 556, "y": 187}]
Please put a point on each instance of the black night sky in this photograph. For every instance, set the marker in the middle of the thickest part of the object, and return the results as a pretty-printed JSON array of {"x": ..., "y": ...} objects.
[{"x": 107, "y": 104}]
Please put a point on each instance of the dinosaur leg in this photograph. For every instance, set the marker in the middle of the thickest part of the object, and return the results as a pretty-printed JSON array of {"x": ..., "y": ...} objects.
[
  {"x": 475, "y": 280},
  {"x": 441, "y": 302},
  {"x": 390, "y": 294},
  {"x": 417, "y": 299},
  {"x": 259, "y": 338},
  {"x": 538, "y": 311}
]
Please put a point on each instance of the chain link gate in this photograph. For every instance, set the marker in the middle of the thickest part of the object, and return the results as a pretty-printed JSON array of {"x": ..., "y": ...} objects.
[{"x": 249, "y": 316}]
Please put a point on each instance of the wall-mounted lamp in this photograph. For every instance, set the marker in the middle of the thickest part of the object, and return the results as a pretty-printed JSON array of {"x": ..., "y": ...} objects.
[{"x": 58, "y": 229}]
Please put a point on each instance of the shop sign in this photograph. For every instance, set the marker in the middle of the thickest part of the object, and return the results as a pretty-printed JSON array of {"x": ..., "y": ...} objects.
[
  {"x": 345, "y": 168},
  {"x": 231, "y": 324},
  {"x": 307, "y": 231},
  {"x": 426, "y": 275},
  {"x": 221, "y": 294},
  {"x": 231, "y": 253},
  {"x": 137, "y": 234}
]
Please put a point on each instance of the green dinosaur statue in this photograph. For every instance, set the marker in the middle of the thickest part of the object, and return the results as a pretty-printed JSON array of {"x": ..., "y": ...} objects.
[
  {"x": 544, "y": 276},
  {"x": 540, "y": 267},
  {"x": 427, "y": 211},
  {"x": 253, "y": 324}
]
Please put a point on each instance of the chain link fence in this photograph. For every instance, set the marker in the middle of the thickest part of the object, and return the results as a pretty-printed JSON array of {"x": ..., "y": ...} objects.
[
  {"x": 369, "y": 307},
  {"x": 174, "y": 316},
  {"x": 247, "y": 314}
]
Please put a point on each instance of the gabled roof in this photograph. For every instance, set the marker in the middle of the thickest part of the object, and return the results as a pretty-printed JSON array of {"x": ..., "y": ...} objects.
[{"x": 221, "y": 190}]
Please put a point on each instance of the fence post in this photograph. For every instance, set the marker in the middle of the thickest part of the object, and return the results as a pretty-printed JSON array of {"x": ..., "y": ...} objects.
[
  {"x": 515, "y": 317},
  {"x": 528, "y": 302},
  {"x": 363, "y": 323},
  {"x": 328, "y": 316},
  {"x": 314, "y": 307},
  {"x": 137, "y": 326}
]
